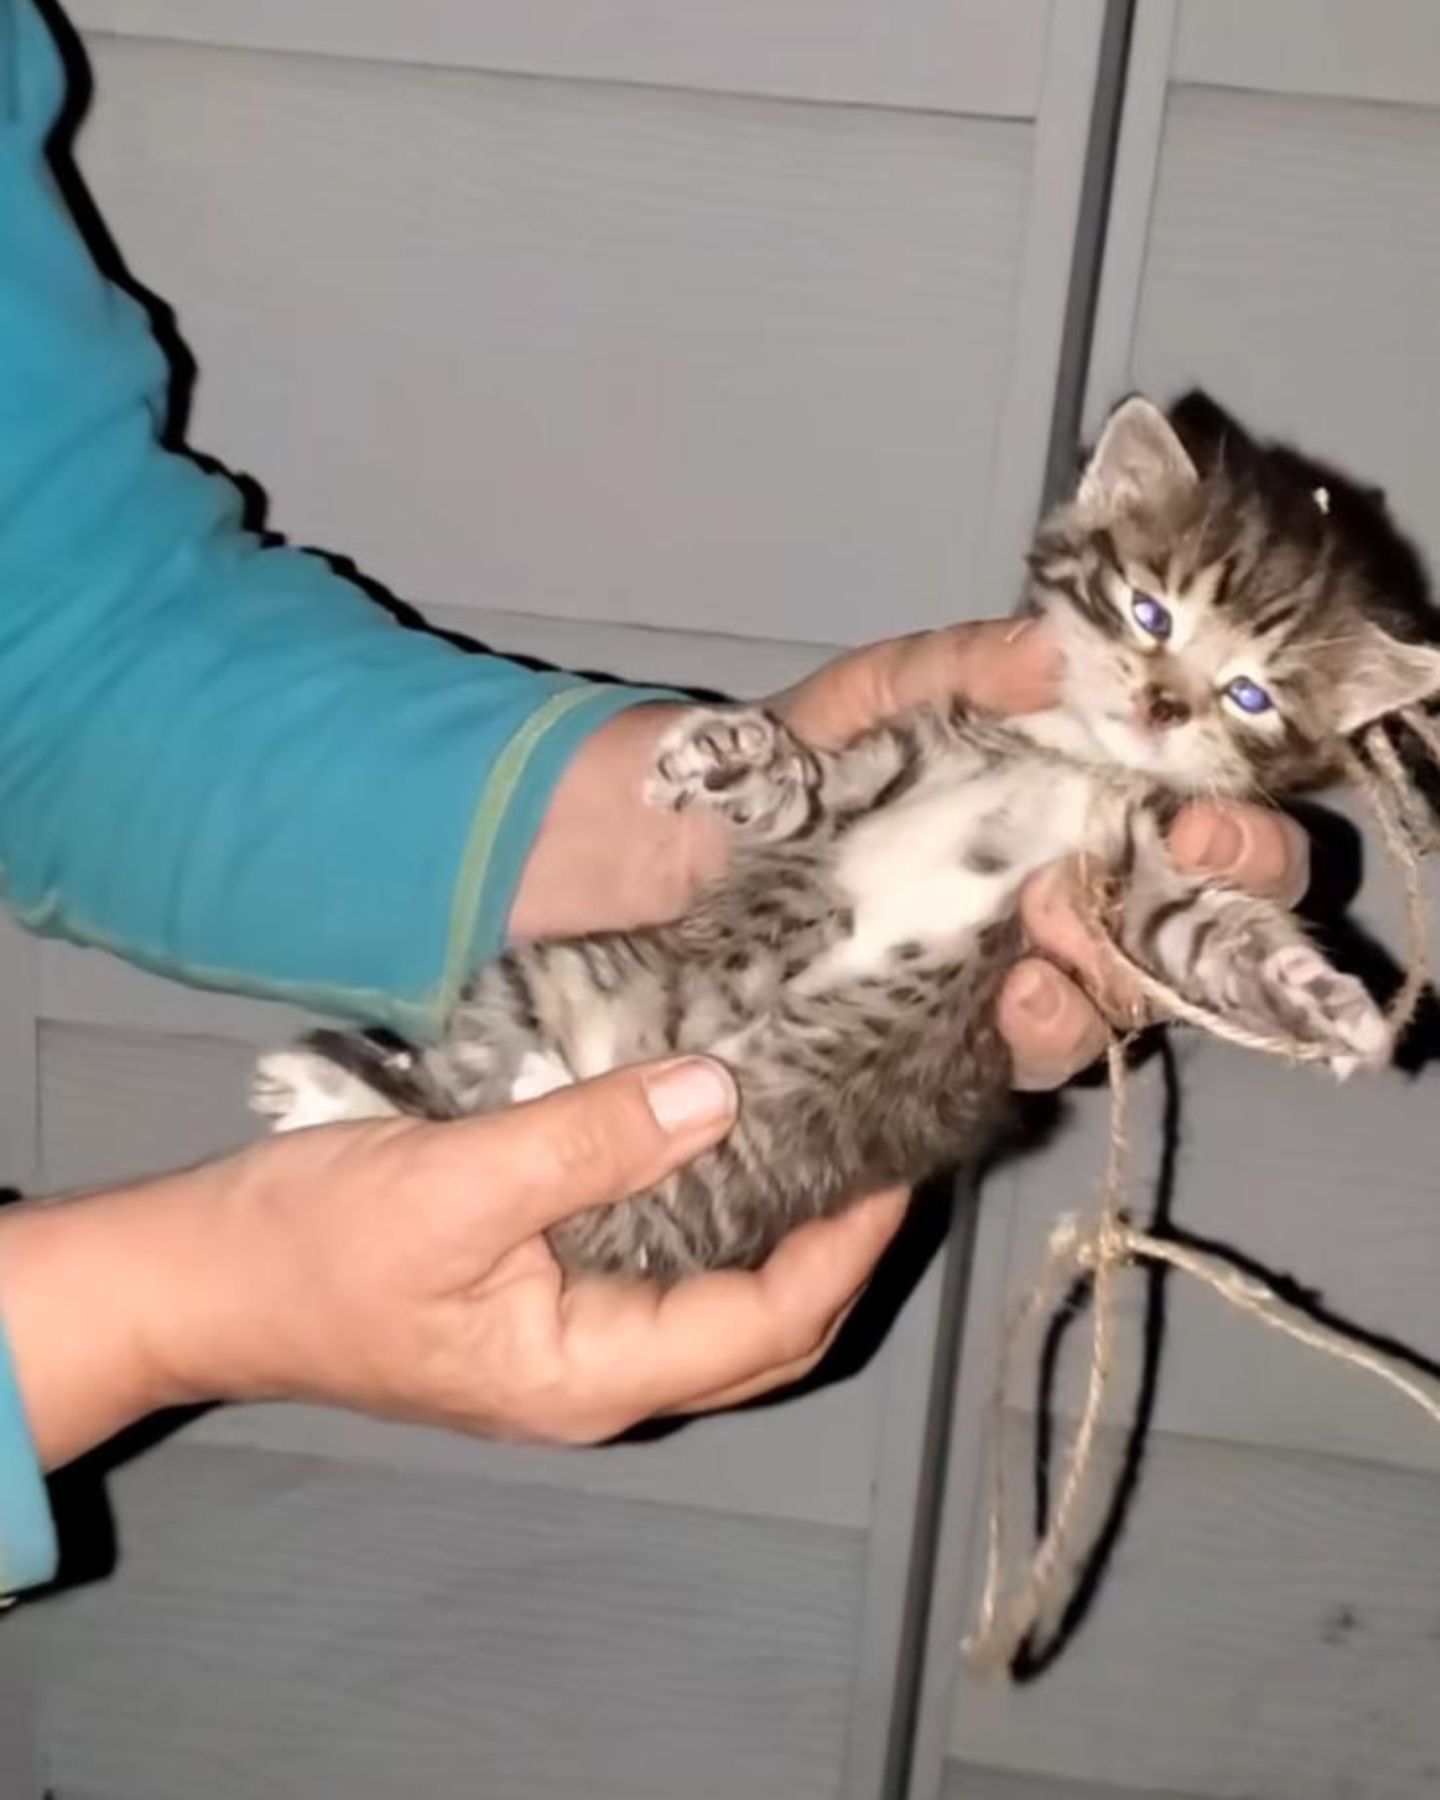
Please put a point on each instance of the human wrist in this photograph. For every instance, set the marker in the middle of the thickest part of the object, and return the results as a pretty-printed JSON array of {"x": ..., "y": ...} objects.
[
  {"x": 83, "y": 1282},
  {"x": 604, "y": 859}
]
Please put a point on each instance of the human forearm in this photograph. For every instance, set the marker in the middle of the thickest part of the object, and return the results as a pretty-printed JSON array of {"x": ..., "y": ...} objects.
[
  {"x": 82, "y": 1284},
  {"x": 218, "y": 758},
  {"x": 603, "y": 858}
]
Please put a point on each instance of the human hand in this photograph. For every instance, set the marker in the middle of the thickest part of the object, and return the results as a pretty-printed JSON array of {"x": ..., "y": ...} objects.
[
  {"x": 399, "y": 1268},
  {"x": 1003, "y": 665},
  {"x": 603, "y": 860},
  {"x": 1053, "y": 1029}
]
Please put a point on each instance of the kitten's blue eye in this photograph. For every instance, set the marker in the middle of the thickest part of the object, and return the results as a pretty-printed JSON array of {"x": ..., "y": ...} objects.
[
  {"x": 1248, "y": 695},
  {"x": 1151, "y": 616}
]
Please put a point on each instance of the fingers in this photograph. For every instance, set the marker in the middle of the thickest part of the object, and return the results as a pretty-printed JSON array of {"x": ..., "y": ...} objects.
[
  {"x": 782, "y": 1375},
  {"x": 1003, "y": 665},
  {"x": 1048, "y": 1025},
  {"x": 1050, "y": 911},
  {"x": 596, "y": 1142},
  {"x": 1258, "y": 849},
  {"x": 1051, "y": 1028},
  {"x": 721, "y": 1337}
]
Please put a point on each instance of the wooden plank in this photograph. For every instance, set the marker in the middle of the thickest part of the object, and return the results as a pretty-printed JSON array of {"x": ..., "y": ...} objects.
[
  {"x": 119, "y": 1104},
  {"x": 966, "y": 1781},
  {"x": 724, "y": 365},
  {"x": 19, "y": 1082},
  {"x": 1294, "y": 270},
  {"x": 280, "y": 1624},
  {"x": 908, "y": 1474},
  {"x": 1127, "y": 225},
  {"x": 811, "y": 1458},
  {"x": 1360, "y": 49},
  {"x": 969, "y": 56},
  {"x": 959, "y": 1521},
  {"x": 90, "y": 987},
  {"x": 1337, "y": 1190},
  {"x": 1270, "y": 1625},
  {"x": 21, "y": 1775},
  {"x": 747, "y": 667},
  {"x": 1043, "y": 305}
]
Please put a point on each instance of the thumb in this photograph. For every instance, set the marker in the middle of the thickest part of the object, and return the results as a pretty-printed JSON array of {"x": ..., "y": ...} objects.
[{"x": 600, "y": 1140}]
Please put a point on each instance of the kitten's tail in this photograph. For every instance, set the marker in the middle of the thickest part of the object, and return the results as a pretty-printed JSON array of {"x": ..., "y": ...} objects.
[{"x": 389, "y": 1066}]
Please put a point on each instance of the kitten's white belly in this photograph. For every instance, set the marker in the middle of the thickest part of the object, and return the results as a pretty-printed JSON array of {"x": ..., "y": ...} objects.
[{"x": 904, "y": 870}]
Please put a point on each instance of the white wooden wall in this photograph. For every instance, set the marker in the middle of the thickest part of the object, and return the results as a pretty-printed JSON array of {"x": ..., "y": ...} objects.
[
  {"x": 1271, "y": 1624},
  {"x": 677, "y": 339}
]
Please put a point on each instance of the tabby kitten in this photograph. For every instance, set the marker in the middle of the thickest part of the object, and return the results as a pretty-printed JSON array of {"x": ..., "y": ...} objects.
[{"x": 1221, "y": 635}]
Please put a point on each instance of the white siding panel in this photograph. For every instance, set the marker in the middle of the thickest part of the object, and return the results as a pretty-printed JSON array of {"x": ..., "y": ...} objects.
[
  {"x": 1334, "y": 1188},
  {"x": 1271, "y": 1626},
  {"x": 1361, "y": 49},
  {"x": 573, "y": 350},
  {"x": 1294, "y": 269},
  {"x": 118, "y": 1104},
  {"x": 964, "y": 1781},
  {"x": 285, "y": 1627},
  {"x": 974, "y": 56}
]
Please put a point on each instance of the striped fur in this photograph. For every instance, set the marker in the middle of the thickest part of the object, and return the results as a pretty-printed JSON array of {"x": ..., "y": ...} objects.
[{"x": 847, "y": 963}]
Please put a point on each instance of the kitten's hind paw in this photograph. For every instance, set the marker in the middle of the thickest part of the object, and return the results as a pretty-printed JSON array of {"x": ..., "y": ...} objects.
[
  {"x": 298, "y": 1088},
  {"x": 739, "y": 763},
  {"x": 1333, "y": 1012}
]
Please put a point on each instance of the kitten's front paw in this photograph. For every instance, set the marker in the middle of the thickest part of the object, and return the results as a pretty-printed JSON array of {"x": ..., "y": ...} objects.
[
  {"x": 1324, "y": 1008},
  {"x": 739, "y": 763},
  {"x": 298, "y": 1088}
]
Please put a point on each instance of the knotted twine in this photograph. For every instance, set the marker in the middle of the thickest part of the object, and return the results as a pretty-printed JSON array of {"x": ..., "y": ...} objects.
[{"x": 1011, "y": 1609}]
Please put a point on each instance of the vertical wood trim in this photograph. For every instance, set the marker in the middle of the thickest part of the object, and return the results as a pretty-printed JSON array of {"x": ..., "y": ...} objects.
[
  {"x": 19, "y": 1052},
  {"x": 921, "y": 1369},
  {"x": 959, "y": 1516},
  {"x": 1057, "y": 181},
  {"x": 20, "y": 1767},
  {"x": 1132, "y": 195}
]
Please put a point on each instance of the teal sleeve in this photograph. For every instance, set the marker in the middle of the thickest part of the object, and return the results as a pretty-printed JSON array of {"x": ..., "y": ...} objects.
[
  {"x": 218, "y": 759},
  {"x": 28, "y": 1553}
]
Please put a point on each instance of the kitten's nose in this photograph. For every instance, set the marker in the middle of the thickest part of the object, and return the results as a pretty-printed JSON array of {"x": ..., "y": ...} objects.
[{"x": 1162, "y": 709}]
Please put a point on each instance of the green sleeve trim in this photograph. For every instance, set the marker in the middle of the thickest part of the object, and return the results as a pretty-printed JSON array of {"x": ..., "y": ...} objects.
[
  {"x": 495, "y": 802},
  {"x": 515, "y": 797}
]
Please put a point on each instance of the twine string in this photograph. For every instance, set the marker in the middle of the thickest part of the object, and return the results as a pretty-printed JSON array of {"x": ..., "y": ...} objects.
[{"x": 1008, "y": 1612}]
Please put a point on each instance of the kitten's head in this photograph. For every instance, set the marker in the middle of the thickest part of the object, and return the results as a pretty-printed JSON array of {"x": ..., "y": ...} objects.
[{"x": 1228, "y": 613}]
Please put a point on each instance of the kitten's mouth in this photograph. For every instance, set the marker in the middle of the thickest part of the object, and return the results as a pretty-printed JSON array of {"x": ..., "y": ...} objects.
[{"x": 1122, "y": 736}]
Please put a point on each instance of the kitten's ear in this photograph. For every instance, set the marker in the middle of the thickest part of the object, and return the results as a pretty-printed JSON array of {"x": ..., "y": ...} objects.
[
  {"x": 1384, "y": 674},
  {"x": 1139, "y": 461}
]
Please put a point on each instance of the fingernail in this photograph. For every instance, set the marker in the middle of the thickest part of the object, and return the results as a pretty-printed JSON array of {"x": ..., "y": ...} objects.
[
  {"x": 690, "y": 1094},
  {"x": 1223, "y": 846},
  {"x": 1038, "y": 995}
]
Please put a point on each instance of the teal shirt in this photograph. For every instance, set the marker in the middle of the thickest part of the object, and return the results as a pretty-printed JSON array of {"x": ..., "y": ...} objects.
[{"x": 218, "y": 759}]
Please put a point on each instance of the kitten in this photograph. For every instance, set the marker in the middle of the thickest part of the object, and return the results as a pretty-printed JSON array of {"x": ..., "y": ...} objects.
[{"x": 1221, "y": 633}]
